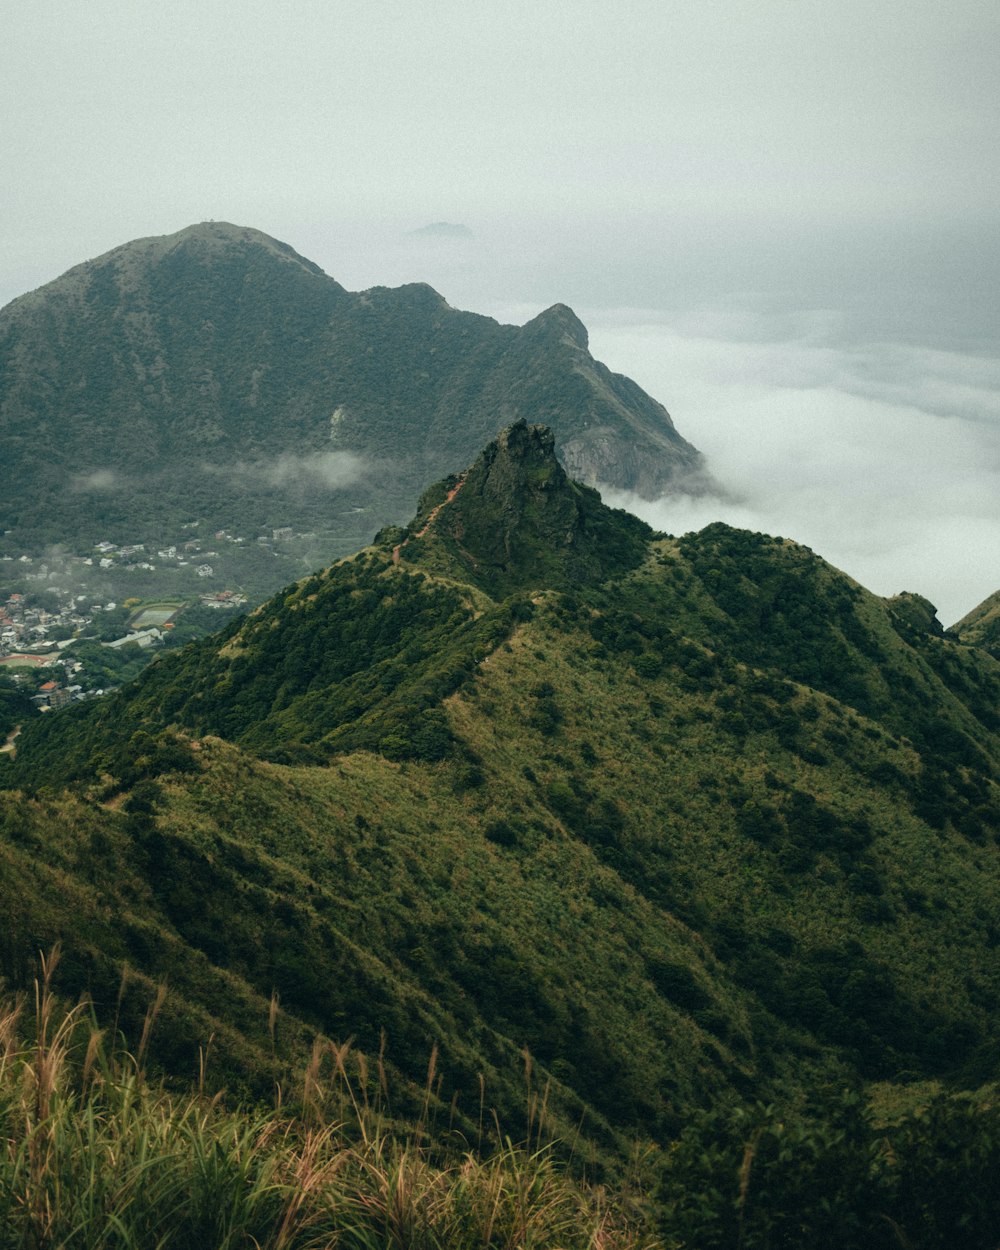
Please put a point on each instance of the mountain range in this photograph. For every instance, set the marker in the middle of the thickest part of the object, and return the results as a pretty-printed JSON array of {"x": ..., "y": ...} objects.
[
  {"x": 215, "y": 374},
  {"x": 682, "y": 819},
  {"x": 518, "y": 801}
]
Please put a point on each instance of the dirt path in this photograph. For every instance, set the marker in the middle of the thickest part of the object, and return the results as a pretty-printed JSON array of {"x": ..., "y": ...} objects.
[
  {"x": 9, "y": 744},
  {"x": 430, "y": 520}
]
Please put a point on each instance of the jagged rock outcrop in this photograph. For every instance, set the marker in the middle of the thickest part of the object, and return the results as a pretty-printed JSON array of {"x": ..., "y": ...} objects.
[
  {"x": 516, "y": 519},
  {"x": 917, "y": 611}
]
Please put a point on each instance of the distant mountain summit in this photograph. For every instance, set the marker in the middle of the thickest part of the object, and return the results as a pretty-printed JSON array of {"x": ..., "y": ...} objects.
[{"x": 167, "y": 378}]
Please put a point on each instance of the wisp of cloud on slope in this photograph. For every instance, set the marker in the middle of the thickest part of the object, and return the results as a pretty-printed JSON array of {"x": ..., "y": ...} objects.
[{"x": 327, "y": 470}]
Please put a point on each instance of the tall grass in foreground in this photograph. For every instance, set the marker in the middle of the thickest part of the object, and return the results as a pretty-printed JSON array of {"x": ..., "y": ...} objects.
[{"x": 94, "y": 1155}]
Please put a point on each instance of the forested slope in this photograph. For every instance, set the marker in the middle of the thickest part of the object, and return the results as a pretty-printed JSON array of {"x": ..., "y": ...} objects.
[{"x": 685, "y": 819}]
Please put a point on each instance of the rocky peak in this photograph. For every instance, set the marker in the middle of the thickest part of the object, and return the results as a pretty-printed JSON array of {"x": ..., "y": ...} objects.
[
  {"x": 559, "y": 321},
  {"x": 521, "y": 462},
  {"x": 515, "y": 519},
  {"x": 917, "y": 611}
]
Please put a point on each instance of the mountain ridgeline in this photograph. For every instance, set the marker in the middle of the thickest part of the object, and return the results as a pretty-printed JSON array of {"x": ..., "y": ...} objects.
[
  {"x": 684, "y": 819},
  {"x": 217, "y": 375},
  {"x": 981, "y": 626}
]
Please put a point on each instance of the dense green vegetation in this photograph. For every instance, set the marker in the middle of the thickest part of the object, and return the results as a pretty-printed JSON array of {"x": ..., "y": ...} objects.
[
  {"x": 15, "y": 705},
  {"x": 92, "y": 1154},
  {"x": 217, "y": 376},
  {"x": 108, "y": 667},
  {"x": 836, "y": 1174},
  {"x": 695, "y": 824},
  {"x": 981, "y": 628}
]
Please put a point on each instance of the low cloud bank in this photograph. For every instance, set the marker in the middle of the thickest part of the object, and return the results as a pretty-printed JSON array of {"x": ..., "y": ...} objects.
[
  {"x": 330, "y": 470},
  {"x": 884, "y": 458},
  {"x": 97, "y": 480}
]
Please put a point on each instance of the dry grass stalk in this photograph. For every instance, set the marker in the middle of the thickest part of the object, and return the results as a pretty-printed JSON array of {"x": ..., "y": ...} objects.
[
  {"x": 10, "y": 1047},
  {"x": 312, "y": 1090},
  {"x": 147, "y": 1025},
  {"x": 746, "y": 1167},
  {"x": 272, "y": 1018},
  {"x": 203, "y": 1053},
  {"x": 92, "y": 1155}
]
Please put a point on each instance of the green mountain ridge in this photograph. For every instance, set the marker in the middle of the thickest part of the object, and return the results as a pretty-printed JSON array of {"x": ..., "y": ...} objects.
[
  {"x": 684, "y": 819},
  {"x": 981, "y": 626},
  {"x": 216, "y": 374}
]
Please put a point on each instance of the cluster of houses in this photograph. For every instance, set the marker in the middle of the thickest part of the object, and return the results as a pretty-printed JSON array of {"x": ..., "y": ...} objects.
[
  {"x": 25, "y": 644},
  {"x": 112, "y": 555},
  {"x": 33, "y": 637},
  {"x": 133, "y": 557},
  {"x": 52, "y": 695},
  {"x": 23, "y": 624}
]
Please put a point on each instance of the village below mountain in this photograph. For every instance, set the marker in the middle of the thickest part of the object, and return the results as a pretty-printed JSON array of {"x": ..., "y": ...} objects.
[{"x": 128, "y": 599}]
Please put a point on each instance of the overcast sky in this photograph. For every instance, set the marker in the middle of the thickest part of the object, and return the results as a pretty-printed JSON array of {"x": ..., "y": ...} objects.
[{"x": 765, "y": 209}]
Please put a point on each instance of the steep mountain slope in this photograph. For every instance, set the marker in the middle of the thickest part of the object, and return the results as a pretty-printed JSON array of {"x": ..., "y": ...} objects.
[
  {"x": 217, "y": 374},
  {"x": 981, "y": 627},
  {"x": 680, "y": 817}
]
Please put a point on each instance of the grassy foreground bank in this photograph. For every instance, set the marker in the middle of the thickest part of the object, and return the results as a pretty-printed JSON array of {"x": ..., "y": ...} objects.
[{"x": 94, "y": 1154}]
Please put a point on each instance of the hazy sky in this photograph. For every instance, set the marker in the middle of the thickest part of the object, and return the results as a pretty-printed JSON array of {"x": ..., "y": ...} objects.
[{"x": 726, "y": 191}]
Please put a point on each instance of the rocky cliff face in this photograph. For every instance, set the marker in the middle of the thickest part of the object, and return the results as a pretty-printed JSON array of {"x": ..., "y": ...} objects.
[
  {"x": 917, "y": 611},
  {"x": 620, "y": 436},
  {"x": 516, "y": 519}
]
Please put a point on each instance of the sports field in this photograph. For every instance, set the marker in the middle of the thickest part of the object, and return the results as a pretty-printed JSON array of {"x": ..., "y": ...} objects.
[{"x": 150, "y": 614}]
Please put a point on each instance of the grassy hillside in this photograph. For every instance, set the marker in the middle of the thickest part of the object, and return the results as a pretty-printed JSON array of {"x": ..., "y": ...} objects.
[
  {"x": 981, "y": 627},
  {"x": 685, "y": 820},
  {"x": 94, "y": 1153}
]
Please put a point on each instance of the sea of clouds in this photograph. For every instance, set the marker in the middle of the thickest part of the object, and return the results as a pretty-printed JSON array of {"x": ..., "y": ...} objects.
[
  {"x": 868, "y": 430},
  {"x": 882, "y": 457}
]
